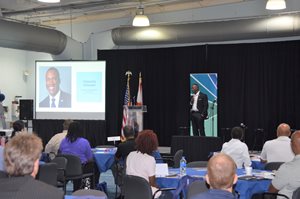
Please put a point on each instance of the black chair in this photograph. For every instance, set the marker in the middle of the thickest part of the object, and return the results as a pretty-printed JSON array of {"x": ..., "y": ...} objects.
[
  {"x": 173, "y": 161},
  {"x": 61, "y": 163},
  {"x": 197, "y": 164},
  {"x": 90, "y": 192},
  {"x": 74, "y": 169},
  {"x": 48, "y": 173},
  {"x": 273, "y": 165},
  {"x": 296, "y": 194},
  {"x": 136, "y": 187},
  {"x": 120, "y": 172},
  {"x": 196, "y": 187},
  {"x": 267, "y": 195}
]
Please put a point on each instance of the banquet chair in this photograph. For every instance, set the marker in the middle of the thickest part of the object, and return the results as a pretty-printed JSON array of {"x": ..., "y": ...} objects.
[
  {"x": 173, "y": 161},
  {"x": 136, "y": 187},
  {"x": 268, "y": 195},
  {"x": 195, "y": 188},
  {"x": 74, "y": 169},
  {"x": 48, "y": 173},
  {"x": 61, "y": 163},
  {"x": 296, "y": 194},
  {"x": 197, "y": 164},
  {"x": 90, "y": 192},
  {"x": 273, "y": 165}
]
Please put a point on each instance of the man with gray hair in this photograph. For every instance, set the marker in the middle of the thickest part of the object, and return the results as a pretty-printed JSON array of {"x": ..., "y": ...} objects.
[
  {"x": 21, "y": 156},
  {"x": 221, "y": 176},
  {"x": 279, "y": 149},
  {"x": 287, "y": 177}
]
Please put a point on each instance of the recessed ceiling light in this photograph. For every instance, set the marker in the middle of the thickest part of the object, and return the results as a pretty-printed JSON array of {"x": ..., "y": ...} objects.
[{"x": 49, "y": 1}]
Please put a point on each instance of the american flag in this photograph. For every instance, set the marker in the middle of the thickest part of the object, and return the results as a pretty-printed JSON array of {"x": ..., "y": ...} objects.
[{"x": 127, "y": 102}]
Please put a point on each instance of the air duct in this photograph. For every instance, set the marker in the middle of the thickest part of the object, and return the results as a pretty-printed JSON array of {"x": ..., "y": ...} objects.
[
  {"x": 32, "y": 38},
  {"x": 231, "y": 30}
]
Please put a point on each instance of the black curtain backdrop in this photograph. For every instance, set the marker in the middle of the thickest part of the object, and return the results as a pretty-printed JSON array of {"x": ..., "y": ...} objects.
[
  {"x": 257, "y": 85},
  {"x": 94, "y": 130}
]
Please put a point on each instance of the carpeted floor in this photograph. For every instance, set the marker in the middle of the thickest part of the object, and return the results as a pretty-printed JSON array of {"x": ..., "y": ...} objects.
[{"x": 105, "y": 177}]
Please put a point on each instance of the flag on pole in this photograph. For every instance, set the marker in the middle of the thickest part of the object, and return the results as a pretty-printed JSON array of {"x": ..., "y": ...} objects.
[
  {"x": 127, "y": 102},
  {"x": 139, "y": 100}
]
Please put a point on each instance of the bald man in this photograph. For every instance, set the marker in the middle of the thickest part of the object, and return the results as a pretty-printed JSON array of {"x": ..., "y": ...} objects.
[
  {"x": 279, "y": 149},
  {"x": 287, "y": 178},
  {"x": 221, "y": 176}
]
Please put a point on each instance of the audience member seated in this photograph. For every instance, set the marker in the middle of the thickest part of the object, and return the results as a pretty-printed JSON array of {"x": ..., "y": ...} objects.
[
  {"x": 141, "y": 162},
  {"x": 21, "y": 156},
  {"x": 287, "y": 177},
  {"x": 54, "y": 142},
  {"x": 236, "y": 149},
  {"x": 128, "y": 145},
  {"x": 279, "y": 149},
  {"x": 221, "y": 176},
  {"x": 2, "y": 158},
  {"x": 75, "y": 144},
  {"x": 18, "y": 127}
]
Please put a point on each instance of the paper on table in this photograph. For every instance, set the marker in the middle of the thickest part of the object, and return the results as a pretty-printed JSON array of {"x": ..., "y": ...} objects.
[{"x": 161, "y": 170}]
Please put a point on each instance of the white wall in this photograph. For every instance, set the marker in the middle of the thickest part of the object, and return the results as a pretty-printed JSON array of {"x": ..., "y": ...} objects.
[{"x": 13, "y": 64}]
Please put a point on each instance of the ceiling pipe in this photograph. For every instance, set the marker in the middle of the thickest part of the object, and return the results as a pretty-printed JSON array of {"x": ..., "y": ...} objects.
[
  {"x": 33, "y": 38},
  {"x": 231, "y": 30}
]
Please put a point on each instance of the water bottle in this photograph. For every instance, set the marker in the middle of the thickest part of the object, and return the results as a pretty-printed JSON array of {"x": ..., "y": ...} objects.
[{"x": 182, "y": 166}]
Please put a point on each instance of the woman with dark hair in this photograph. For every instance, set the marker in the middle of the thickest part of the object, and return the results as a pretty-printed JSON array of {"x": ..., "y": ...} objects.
[
  {"x": 18, "y": 127},
  {"x": 75, "y": 144},
  {"x": 141, "y": 162}
]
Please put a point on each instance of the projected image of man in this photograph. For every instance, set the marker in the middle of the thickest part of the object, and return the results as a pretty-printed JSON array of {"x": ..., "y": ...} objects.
[{"x": 56, "y": 97}]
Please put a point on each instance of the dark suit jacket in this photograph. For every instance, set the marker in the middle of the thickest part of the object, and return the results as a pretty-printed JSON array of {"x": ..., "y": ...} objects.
[
  {"x": 202, "y": 104},
  {"x": 26, "y": 187},
  {"x": 125, "y": 148},
  {"x": 64, "y": 100}
]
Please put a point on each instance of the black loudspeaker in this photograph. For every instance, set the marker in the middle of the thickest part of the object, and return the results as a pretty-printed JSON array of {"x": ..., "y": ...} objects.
[{"x": 26, "y": 109}]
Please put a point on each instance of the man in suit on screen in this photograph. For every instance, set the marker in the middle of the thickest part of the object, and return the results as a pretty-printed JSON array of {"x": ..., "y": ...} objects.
[
  {"x": 56, "y": 98},
  {"x": 199, "y": 106}
]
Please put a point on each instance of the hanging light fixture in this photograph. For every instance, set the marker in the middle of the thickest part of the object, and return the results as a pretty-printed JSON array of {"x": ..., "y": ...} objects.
[
  {"x": 140, "y": 19},
  {"x": 276, "y": 5},
  {"x": 49, "y": 1}
]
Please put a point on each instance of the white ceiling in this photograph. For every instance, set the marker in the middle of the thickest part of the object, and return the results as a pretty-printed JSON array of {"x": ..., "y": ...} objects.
[{"x": 32, "y": 11}]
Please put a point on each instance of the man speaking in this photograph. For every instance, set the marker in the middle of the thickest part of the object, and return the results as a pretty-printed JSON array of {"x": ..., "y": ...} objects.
[
  {"x": 199, "y": 106},
  {"x": 56, "y": 98}
]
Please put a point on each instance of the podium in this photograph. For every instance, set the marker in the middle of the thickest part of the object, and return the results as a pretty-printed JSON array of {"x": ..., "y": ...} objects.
[{"x": 135, "y": 116}]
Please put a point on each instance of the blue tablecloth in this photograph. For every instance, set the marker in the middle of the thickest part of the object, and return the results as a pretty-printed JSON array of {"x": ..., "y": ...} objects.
[
  {"x": 104, "y": 157},
  {"x": 257, "y": 165},
  {"x": 245, "y": 187}
]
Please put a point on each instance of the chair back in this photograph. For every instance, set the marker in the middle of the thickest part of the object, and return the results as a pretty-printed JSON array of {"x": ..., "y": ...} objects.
[
  {"x": 177, "y": 158},
  {"x": 296, "y": 194},
  {"x": 61, "y": 163},
  {"x": 48, "y": 173},
  {"x": 195, "y": 188},
  {"x": 197, "y": 164},
  {"x": 74, "y": 168},
  {"x": 136, "y": 187},
  {"x": 273, "y": 165},
  {"x": 90, "y": 192}
]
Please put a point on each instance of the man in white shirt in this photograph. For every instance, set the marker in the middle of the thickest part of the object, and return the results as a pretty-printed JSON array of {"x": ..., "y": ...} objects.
[
  {"x": 236, "y": 149},
  {"x": 54, "y": 142},
  {"x": 287, "y": 177},
  {"x": 279, "y": 149}
]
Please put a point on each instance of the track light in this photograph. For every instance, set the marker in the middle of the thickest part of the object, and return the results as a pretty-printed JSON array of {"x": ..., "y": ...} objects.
[
  {"x": 49, "y": 1},
  {"x": 276, "y": 5},
  {"x": 140, "y": 20}
]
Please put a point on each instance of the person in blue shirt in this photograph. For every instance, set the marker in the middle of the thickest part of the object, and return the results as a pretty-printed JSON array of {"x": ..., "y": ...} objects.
[{"x": 221, "y": 176}]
